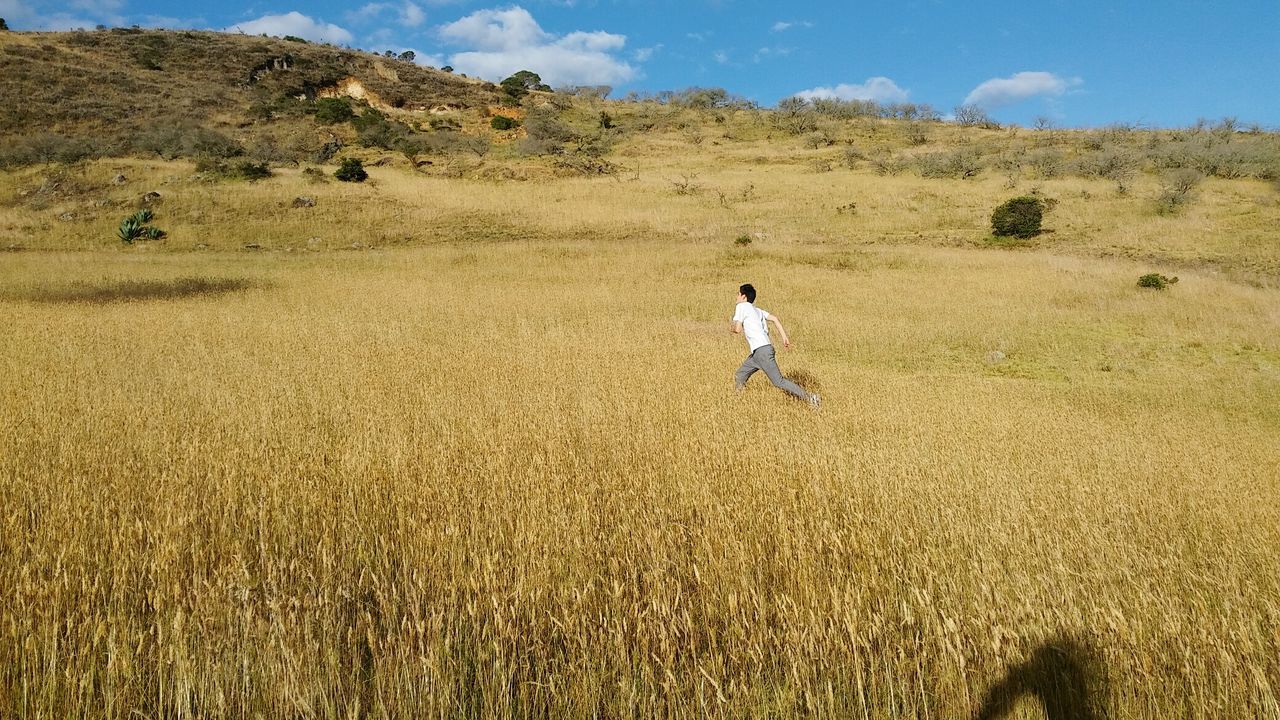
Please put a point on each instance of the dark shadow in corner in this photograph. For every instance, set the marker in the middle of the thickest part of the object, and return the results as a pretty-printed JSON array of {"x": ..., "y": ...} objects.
[
  {"x": 132, "y": 290},
  {"x": 1064, "y": 674}
]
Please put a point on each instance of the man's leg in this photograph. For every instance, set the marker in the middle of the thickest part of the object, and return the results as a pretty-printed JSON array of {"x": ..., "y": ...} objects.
[
  {"x": 747, "y": 369},
  {"x": 769, "y": 364}
]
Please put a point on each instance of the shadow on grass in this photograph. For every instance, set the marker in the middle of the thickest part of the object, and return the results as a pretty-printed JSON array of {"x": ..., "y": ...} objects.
[
  {"x": 131, "y": 290},
  {"x": 1064, "y": 675}
]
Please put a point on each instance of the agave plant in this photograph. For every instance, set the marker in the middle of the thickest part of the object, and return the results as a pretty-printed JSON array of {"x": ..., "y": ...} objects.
[
  {"x": 130, "y": 230},
  {"x": 135, "y": 227}
]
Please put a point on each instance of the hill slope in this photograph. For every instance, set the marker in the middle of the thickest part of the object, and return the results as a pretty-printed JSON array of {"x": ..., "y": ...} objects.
[{"x": 113, "y": 88}]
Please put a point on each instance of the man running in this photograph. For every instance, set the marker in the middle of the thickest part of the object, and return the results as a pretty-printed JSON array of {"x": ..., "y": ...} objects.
[{"x": 753, "y": 322}]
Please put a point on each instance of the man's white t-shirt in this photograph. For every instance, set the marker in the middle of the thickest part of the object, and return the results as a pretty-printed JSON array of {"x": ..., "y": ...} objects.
[{"x": 754, "y": 325}]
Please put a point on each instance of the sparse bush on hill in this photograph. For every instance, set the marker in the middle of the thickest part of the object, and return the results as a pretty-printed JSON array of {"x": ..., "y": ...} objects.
[
  {"x": 46, "y": 148},
  {"x": 1047, "y": 163},
  {"x": 596, "y": 145},
  {"x": 444, "y": 124},
  {"x": 351, "y": 170},
  {"x": 1213, "y": 155},
  {"x": 708, "y": 98},
  {"x": 1175, "y": 190},
  {"x": 245, "y": 169},
  {"x": 956, "y": 164},
  {"x": 588, "y": 92},
  {"x": 851, "y": 109},
  {"x": 1156, "y": 281},
  {"x": 1019, "y": 217},
  {"x": 884, "y": 162},
  {"x": 374, "y": 129},
  {"x": 546, "y": 133},
  {"x": 3, "y": 25},
  {"x": 974, "y": 116},
  {"x": 187, "y": 141},
  {"x": 916, "y": 133},
  {"x": 327, "y": 151},
  {"x": 793, "y": 116},
  {"x": 818, "y": 139},
  {"x": 580, "y": 164},
  {"x": 852, "y": 156},
  {"x": 1110, "y": 163}
]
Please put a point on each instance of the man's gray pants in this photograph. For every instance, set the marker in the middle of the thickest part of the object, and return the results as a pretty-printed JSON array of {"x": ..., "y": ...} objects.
[{"x": 763, "y": 359}]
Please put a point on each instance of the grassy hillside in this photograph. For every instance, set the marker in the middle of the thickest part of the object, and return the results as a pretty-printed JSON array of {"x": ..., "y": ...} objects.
[
  {"x": 461, "y": 440},
  {"x": 125, "y": 91}
]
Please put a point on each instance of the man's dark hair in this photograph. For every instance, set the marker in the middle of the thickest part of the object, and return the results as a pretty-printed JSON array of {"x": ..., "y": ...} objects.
[{"x": 749, "y": 291}]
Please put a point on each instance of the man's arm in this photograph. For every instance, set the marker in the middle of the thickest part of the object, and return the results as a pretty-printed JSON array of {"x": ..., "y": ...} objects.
[
  {"x": 786, "y": 341},
  {"x": 735, "y": 327}
]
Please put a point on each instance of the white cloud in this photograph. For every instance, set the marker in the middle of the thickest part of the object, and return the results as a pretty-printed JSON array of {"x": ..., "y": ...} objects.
[
  {"x": 367, "y": 13},
  {"x": 411, "y": 15},
  {"x": 765, "y": 53},
  {"x": 998, "y": 92},
  {"x": 646, "y": 54},
  {"x": 504, "y": 41},
  {"x": 721, "y": 56},
  {"x": 782, "y": 25},
  {"x": 879, "y": 89},
  {"x": 294, "y": 23},
  {"x": 408, "y": 14},
  {"x": 496, "y": 30}
]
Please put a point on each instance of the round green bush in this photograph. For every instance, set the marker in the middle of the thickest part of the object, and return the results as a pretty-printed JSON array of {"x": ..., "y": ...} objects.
[
  {"x": 330, "y": 111},
  {"x": 351, "y": 170},
  {"x": 502, "y": 122},
  {"x": 1019, "y": 217}
]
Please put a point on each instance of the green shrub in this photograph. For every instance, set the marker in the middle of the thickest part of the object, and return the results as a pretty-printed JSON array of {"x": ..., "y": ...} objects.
[
  {"x": 331, "y": 111},
  {"x": 1156, "y": 281},
  {"x": 445, "y": 124},
  {"x": 351, "y": 170},
  {"x": 502, "y": 122},
  {"x": 742, "y": 240},
  {"x": 252, "y": 171},
  {"x": 1019, "y": 217}
]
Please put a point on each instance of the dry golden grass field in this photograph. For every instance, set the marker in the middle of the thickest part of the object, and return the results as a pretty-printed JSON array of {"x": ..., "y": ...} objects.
[{"x": 445, "y": 447}]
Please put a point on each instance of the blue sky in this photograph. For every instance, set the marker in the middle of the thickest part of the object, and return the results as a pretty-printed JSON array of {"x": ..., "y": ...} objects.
[{"x": 1081, "y": 63}]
